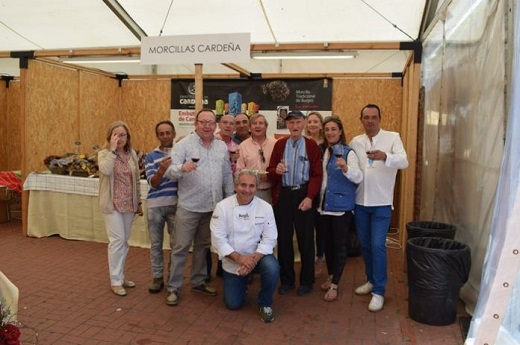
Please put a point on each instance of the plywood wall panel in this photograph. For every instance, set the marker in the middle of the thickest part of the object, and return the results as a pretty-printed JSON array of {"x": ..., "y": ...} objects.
[
  {"x": 350, "y": 95},
  {"x": 144, "y": 103},
  {"x": 51, "y": 112},
  {"x": 3, "y": 127},
  {"x": 99, "y": 106},
  {"x": 13, "y": 135}
]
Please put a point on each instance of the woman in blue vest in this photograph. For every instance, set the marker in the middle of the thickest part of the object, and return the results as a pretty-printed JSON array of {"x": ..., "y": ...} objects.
[{"x": 341, "y": 175}]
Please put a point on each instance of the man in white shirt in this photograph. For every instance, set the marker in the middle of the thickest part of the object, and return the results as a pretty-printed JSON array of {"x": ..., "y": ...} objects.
[
  {"x": 243, "y": 232},
  {"x": 381, "y": 153}
]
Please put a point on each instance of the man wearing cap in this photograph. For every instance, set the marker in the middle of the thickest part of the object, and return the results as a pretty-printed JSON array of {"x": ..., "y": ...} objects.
[{"x": 295, "y": 172}]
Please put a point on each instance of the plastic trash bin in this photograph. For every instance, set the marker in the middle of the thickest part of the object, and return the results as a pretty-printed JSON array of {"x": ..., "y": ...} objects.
[
  {"x": 437, "y": 269},
  {"x": 430, "y": 229}
]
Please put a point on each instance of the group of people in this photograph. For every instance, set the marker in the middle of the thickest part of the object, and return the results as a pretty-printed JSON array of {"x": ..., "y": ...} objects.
[{"x": 243, "y": 195}]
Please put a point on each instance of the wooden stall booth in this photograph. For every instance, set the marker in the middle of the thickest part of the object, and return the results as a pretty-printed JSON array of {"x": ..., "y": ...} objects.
[{"x": 55, "y": 105}]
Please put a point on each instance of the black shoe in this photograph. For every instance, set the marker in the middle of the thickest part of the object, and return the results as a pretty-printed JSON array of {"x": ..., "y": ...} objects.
[
  {"x": 285, "y": 289},
  {"x": 304, "y": 289}
]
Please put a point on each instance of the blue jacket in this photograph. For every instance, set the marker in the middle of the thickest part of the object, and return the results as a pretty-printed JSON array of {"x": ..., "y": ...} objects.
[{"x": 340, "y": 193}]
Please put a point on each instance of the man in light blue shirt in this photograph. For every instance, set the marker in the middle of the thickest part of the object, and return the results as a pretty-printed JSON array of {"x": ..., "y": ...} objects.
[{"x": 201, "y": 164}]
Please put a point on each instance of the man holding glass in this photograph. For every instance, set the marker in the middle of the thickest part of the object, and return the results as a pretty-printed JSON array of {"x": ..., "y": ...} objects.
[
  {"x": 381, "y": 153},
  {"x": 295, "y": 172},
  {"x": 201, "y": 164},
  {"x": 255, "y": 153},
  {"x": 161, "y": 200}
]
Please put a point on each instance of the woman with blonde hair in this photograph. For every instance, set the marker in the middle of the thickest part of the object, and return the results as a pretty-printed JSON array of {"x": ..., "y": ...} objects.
[
  {"x": 314, "y": 127},
  {"x": 119, "y": 199}
]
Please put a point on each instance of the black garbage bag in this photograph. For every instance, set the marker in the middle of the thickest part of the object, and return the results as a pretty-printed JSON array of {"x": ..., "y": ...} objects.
[
  {"x": 430, "y": 229},
  {"x": 437, "y": 269}
]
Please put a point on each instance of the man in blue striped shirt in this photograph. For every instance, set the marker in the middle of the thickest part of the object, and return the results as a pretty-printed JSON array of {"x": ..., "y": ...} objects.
[{"x": 161, "y": 200}]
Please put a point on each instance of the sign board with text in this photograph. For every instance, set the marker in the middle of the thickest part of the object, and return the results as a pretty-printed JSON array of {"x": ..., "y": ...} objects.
[
  {"x": 273, "y": 98},
  {"x": 217, "y": 48}
]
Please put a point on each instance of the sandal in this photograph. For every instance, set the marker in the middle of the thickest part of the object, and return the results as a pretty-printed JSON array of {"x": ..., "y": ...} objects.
[
  {"x": 332, "y": 294},
  {"x": 326, "y": 285},
  {"x": 129, "y": 284},
  {"x": 118, "y": 290}
]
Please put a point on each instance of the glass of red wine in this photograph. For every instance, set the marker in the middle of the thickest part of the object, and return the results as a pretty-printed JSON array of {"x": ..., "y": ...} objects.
[
  {"x": 338, "y": 152},
  {"x": 195, "y": 157}
]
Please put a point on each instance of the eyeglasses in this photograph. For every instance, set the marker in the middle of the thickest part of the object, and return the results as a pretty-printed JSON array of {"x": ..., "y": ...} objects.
[
  {"x": 206, "y": 123},
  {"x": 262, "y": 157}
]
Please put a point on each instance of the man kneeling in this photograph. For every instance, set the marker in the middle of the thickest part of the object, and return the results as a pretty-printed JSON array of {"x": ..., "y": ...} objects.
[{"x": 243, "y": 232}]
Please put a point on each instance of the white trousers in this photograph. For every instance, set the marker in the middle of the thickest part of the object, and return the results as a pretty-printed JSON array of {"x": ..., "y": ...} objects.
[{"x": 118, "y": 226}]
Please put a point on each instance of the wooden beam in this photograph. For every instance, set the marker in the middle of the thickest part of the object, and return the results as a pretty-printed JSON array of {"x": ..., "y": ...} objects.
[
  {"x": 136, "y": 51},
  {"x": 23, "y": 147},
  {"x": 329, "y": 46},
  {"x": 409, "y": 131},
  {"x": 268, "y": 76},
  {"x": 76, "y": 67},
  {"x": 198, "y": 87},
  {"x": 243, "y": 72}
]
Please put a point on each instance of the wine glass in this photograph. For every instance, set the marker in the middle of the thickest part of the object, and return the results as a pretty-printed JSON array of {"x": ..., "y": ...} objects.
[
  {"x": 338, "y": 153},
  {"x": 233, "y": 150},
  {"x": 195, "y": 157},
  {"x": 284, "y": 163},
  {"x": 167, "y": 150},
  {"x": 370, "y": 161}
]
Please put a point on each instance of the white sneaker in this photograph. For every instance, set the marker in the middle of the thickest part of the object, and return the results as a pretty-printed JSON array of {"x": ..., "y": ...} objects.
[
  {"x": 364, "y": 289},
  {"x": 376, "y": 303}
]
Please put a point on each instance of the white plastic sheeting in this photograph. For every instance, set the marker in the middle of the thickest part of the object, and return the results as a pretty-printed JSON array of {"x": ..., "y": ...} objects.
[
  {"x": 463, "y": 77},
  {"x": 497, "y": 317},
  {"x": 470, "y": 166}
]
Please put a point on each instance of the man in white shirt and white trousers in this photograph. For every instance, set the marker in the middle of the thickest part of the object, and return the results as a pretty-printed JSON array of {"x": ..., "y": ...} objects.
[
  {"x": 243, "y": 232},
  {"x": 381, "y": 153}
]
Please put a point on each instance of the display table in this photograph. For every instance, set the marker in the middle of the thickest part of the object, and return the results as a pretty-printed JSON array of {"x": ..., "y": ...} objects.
[{"x": 68, "y": 206}]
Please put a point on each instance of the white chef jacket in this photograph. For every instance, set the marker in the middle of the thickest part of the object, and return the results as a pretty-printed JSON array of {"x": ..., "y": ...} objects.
[{"x": 245, "y": 229}]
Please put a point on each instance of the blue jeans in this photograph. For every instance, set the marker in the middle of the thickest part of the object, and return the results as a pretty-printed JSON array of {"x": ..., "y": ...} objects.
[
  {"x": 235, "y": 286},
  {"x": 157, "y": 218},
  {"x": 372, "y": 223}
]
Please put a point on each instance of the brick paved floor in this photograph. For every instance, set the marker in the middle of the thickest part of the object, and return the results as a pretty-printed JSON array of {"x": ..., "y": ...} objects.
[{"x": 65, "y": 299}]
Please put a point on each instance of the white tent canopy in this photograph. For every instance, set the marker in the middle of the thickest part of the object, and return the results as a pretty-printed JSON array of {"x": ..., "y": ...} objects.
[{"x": 71, "y": 25}]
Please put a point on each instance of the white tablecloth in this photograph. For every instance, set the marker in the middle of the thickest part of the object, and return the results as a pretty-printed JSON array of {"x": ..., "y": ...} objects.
[
  {"x": 69, "y": 184},
  {"x": 68, "y": 206}
]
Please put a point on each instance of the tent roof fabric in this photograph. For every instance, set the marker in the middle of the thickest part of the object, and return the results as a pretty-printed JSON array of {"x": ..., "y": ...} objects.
[{"x": 61, "y": 24}]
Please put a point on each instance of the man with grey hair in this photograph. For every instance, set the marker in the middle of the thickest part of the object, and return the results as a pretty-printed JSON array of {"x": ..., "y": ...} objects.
[
  {"x": 243, "y": 232},
  {"x": 255, "y": 153}
]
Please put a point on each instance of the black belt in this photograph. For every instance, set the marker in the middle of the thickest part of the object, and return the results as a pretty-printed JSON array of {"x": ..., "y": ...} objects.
[{"x": 295, "y": 187}]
